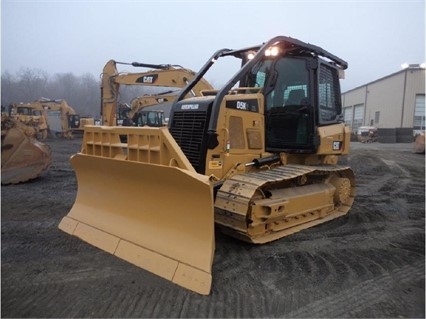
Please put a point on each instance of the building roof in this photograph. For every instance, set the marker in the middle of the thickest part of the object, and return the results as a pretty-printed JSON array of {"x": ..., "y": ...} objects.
[{"x": 410, "y": 67}]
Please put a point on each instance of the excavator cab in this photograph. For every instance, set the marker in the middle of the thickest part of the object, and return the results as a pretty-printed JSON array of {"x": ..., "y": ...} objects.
[
  {"x": 73, "y": 121},
  {"x": 149, "y": 118}
]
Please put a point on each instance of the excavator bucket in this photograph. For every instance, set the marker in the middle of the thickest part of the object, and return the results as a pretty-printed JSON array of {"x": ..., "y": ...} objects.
[
  {"x": 143, "y": 202},
  {"x": 22, "y": 157}
]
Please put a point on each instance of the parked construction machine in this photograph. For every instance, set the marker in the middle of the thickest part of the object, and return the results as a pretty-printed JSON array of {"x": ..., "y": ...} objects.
[
  {"x": 144, "y": 110},
  {"x": 366, "y": 134},
  {"x": 54, "y": 117},
  {"x": 31, "y": 114},
  {"x": 258, "y": 157},
  {"x": 23, "y": 157},
  {"x": 419, "y": 143},
  {"x": 62, "y": 118},
  {"x": 155, "y": 118}
]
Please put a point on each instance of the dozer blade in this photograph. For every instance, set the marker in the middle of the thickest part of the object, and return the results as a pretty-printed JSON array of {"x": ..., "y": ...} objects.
[{"x": 157, "y": 217}]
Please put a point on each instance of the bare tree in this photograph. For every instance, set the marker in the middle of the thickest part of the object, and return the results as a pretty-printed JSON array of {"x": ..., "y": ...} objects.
[
  {"x": 32, "y": 83},
  {"x": 81, "y": 92},
  {"x": 90, "y": 96},
  {"x": 9, "y": 90}
]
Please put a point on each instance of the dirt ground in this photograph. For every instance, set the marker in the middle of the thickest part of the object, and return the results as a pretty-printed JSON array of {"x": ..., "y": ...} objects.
[{"x": 369, "y": 263}]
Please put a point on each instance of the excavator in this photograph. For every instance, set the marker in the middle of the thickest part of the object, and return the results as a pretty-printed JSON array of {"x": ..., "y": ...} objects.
[
  {"x": 258, "y": 158},
  {"x": 54, "y": 117},
  {"x": 159, "y": 75},
  {"x": 148, "y": 109},
  {"x": 23, "y": 157},
  {"x": 62, "y": 118}
]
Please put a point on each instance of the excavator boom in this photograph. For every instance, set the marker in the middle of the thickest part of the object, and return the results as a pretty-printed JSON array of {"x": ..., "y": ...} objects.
[{"x": 163, "y": 75}]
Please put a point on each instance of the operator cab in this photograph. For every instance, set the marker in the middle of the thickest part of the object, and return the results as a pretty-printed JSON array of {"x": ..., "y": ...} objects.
[
  {"x": 73, "y": 121},
  {"x": 149, "y": 118},
  {"x": 301, "y": 93}
]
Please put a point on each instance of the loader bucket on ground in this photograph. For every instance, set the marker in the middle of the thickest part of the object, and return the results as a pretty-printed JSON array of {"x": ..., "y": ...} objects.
[
  {"x": 157, "y": 217},
  {"x": 22, "y": 157}
]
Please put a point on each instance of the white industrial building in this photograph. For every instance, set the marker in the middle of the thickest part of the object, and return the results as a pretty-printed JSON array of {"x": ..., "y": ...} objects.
[{"x": 394, "y": 102}]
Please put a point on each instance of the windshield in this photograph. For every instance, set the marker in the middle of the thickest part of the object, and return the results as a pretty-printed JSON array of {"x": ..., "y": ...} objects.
[{"x": 287, "y": 81}]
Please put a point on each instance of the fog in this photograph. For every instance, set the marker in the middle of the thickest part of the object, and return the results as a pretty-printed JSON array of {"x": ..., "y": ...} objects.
[{"x": 72, "y": 40}]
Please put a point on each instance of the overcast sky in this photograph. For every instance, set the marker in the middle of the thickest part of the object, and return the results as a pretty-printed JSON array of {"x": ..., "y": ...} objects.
[{"x": 375, "y": 37}]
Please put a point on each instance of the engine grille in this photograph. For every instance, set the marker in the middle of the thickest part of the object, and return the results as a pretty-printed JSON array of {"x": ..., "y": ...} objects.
[{"x": 189, "y": 131}]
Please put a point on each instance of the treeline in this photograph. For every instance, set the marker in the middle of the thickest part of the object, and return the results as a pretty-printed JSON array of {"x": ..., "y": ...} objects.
[{"x": 82, "y": 93}]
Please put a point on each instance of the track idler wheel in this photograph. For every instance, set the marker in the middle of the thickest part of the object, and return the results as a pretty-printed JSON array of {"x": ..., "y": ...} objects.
[{"x": 343, "y": 189}]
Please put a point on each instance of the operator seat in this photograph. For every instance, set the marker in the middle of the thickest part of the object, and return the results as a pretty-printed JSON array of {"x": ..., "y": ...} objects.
[
  {"x": 288, "y": 125},
  {"x": 295, "y": 97}
]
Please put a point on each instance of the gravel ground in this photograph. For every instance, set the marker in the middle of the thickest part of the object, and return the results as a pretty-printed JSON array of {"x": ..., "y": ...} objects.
[{"x": 369, "y": 263}]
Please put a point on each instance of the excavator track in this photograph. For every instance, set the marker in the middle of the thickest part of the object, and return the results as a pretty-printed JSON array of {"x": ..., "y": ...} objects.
[{"x": 266, "y": 205}]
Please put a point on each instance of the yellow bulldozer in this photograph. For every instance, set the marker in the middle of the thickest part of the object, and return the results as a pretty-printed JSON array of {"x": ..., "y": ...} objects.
[
  {"x": 258, "y": 158},
  {"x": 23, "y": 157}
]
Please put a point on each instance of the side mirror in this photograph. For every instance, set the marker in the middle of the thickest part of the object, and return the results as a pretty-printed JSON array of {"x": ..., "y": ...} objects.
[{"x": 340, "y": 118}]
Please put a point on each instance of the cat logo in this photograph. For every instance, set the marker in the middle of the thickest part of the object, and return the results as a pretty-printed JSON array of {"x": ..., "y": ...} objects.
[
  {"x": 148, "y": 79},
  {"x": 337, "y": 145}
]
